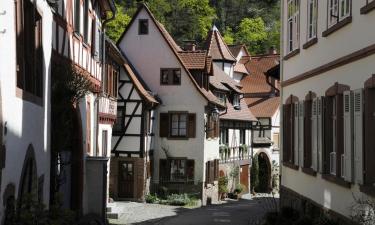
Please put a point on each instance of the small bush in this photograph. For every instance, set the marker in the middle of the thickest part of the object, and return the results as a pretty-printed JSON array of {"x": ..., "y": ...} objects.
[
  {"x": 223, "y": 185},
  {"x": 178, "y": 200},
  {"x": 239, "y": 188},
  {"x": 150, "y": 198}
]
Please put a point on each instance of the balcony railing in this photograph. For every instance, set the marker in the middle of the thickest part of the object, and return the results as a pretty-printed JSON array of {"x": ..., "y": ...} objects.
[
  {"x": 234, "y": 154},
  {"x": 107, "y": 107},
  {"x": 332, "y": 163}
]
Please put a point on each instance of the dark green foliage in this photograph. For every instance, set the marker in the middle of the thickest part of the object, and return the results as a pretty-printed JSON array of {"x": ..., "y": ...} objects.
[
  {"x": 150, "y": 198},
  {"x": 254, "y": 173},
  {"x": 192, "y": 19},
  {"x": 173, "y": 199},
  {"x": 223, "y": 184}
]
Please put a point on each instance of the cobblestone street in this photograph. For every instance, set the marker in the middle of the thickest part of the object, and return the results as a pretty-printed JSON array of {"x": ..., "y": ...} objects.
[{"x": 241, "y": 212}]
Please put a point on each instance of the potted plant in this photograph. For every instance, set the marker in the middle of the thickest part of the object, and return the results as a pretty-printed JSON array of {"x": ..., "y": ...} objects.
[{"x": 223, "y": 187}]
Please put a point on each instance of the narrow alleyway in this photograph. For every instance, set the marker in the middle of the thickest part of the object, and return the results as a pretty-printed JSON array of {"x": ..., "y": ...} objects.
[{"x": 241, "y": 212}]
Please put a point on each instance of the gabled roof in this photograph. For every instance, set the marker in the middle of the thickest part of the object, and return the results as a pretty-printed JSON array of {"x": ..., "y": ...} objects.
[
  {"x": 217, "y": 48},
  {"x": 258, "y": 65},
  {"x": 175, "y": 49},
  {"x": 221, "y": 81},
  {"x": 263, "y": 107},
  {"x": 235, "y": 49},
  {"x": 240, "y": 68},
  {"x": 242, "y": 114}
]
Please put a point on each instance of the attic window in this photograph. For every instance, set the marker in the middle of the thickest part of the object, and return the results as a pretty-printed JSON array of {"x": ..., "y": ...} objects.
[
  {"x": 236, "y": 101},
  {"x": 143, "y": 27},
  {"x": 170, "y": 76}
]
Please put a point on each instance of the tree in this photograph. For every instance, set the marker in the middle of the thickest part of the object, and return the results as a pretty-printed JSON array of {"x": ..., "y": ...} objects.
[
  {"x": 117, "y": 26},
  {"x": 254, "y": 173},
  {"x": 252, "y": 33},
  {"x": 228, "y": 36}
]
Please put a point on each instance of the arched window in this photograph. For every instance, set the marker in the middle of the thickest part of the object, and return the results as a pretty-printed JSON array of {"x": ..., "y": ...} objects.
[{"x": 29, "y": 178}]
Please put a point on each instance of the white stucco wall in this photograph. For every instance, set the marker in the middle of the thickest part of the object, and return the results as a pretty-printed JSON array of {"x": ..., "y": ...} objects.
[
  {"x": 25, "y": 122},
  {"x": 344, "y": 41},
  {"x": 149, "y": 53}
]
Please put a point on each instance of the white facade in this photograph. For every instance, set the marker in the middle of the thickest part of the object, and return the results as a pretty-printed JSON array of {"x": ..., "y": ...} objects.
[
  {"x": 25, "y": 123},
  {"x": 355, "y": 35}
]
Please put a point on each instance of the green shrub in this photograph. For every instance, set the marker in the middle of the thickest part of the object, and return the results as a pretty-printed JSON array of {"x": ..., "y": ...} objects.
[
  {"x": 178, "y": 199},
  {"x": 223, "y": 184},
  {"x": 150, "y": 198},
  {"x": 239, "y": 188}
]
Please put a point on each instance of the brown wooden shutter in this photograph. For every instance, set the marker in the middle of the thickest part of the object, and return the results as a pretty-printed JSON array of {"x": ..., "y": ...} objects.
[
  {"x": 207, "y": 172},
  {"x": 328, "y": 127},
  {"x": 287, "y": 133},
  {"x": 20, "y": 43},
  {"x": 164, "y": 125},
  {"x": 39, "y": 56},
  {"x": 210, "y": 128},
  {"x": 340, "y": 132},
  {"x": 164, "y": 171},
  {"x": 190, "y": 169},
  {"x": 217, "y": 128},
  {"x": 369, "y": 154},
  {"x": 216, "y": 174},
  {"x": 192, "y": 125},
  {"x": 212, "y": 172}
]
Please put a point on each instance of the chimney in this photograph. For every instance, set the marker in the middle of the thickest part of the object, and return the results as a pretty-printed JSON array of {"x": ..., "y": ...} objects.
[
  {"x": 272, "y": 50},
  {"x": 190, "y": 46}
]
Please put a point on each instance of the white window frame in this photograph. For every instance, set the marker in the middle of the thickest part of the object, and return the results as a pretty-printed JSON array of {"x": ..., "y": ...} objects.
[
  {"x": 338, "y": 10},
  {"x": 293, "y": 9},
  {"x": 312, "y": 19}
]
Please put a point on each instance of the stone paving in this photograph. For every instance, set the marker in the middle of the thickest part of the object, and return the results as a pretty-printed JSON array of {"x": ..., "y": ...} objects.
[{"x": 245, "y": 211}]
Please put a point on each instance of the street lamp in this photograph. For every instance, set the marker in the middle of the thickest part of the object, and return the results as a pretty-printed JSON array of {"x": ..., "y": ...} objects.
[{"x": 215, "y": 114}]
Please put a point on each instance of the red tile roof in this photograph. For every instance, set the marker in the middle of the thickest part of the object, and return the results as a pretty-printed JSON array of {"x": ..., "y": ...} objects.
[
  {"x": 217, "y": 48},
  {"x": 195, "y": 60},
  {"x": 241, "y": 68},
  {"x": 235, "y": 49},
  {"x": 243, "y": 114},
  {"x": 263, "y": 107},
  {"x": 257, "y": 66},
  {"x": 220, "y": 80}
]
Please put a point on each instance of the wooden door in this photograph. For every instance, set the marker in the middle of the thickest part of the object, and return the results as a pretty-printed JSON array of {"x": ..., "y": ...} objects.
[
  {"x": 244, "y": 177},
  {"x": 126, "y": 180}
]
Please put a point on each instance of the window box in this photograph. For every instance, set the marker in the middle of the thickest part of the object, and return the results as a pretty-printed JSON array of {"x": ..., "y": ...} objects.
[{"x": 368, "y": 7}]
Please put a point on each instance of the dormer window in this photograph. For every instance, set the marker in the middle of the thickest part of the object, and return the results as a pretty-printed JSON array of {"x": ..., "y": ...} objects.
[
  {"x": 143, "y": 27},
  {"x": 236, "y": 101},
  {"x": 221, "y": 96}
]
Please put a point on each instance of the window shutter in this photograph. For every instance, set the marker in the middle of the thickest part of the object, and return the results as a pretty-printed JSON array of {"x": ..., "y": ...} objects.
[
  {"x": 20, "y": 43},
  {"x": 347, "y": 108},
  {"x": 190, "y": 169},
  {"x": 301, "y": 117},
  {"x": 164, "y": 125},
  {"x": 340, "y": 135},
  {"x": 210, "y": 127},
  {"x": 217, "y": 128},
  {"x": 314, "y": 135},
  {"x": 320, "y": 102},
  {"x": 358, "y": 135},
  {"x": 216, "y": 174},
  {"x": 207, "y": 172},
  {"x": 295, "y": 134},
  {"x": 97, "y": 40},
  {"x": 327, "y": 135},
  {"x": 212, "y": 172},
  {"x": 286, "y": 131},
  {"x": 192, "y": 125}
]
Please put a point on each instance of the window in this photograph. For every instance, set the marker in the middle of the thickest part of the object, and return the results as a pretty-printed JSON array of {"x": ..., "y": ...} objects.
[
  {"x": 111, "y": 78},
  {"x": 276, "y": 141},
  {"x": 221, "y": 96},
  {"x": 118, "y": 127},
  {"x": 293, "y": 25},
  {"x": 29, "y": 48},
  {"x": 177, "y": 125},
  {"x": 338, "y": 10},
  {"x": 236, "y": 101},
  {"x": 143, "y": 27},
  {"x": 176, "y": 170},
  {"x": 104, "y": 142},
  {"x": 224, "y": 137},
  {"x": 77, "y": 16},
  {"x": 86, "y": 21},
  {"x": 312, "y": 19},
  {"x": 242, "y": 136},
  {"x": 170, "y": 76}
]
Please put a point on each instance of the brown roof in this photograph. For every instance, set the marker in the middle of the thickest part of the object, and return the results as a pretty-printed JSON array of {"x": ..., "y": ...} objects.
[
  {"x": 257, "y": 66},
  {"x": 175, "y": 49},
  {"x": 194, "y": 59},
  {"x": 240, "y": 68},
  {"x": 263, "y": 107},
  {"x": 217, "y": 48},
  {"x": 243, "y": 114},
  {"x": 235, "y": 49},
  {"x": 220, "y": 80},
  {"x": 141, "y": 89}
]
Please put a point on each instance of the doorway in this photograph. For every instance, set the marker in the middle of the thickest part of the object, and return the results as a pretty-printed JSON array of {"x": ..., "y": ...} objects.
[{"x": 126, "y": 180}]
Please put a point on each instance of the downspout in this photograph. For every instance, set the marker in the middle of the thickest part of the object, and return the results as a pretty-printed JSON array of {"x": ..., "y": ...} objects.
[
  {"x": 277, "y": 91},
  {"x": 281, "y": 91}
]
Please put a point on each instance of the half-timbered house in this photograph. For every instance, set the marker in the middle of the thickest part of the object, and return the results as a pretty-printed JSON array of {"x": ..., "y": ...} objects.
[
  {"x": 25, "y": 75},
  {"x": 132, "y": 137},
  {"x": 79, "y": 171},
  {"x": 181, "y": 147},
  {"x": 328, "y": 108}
]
